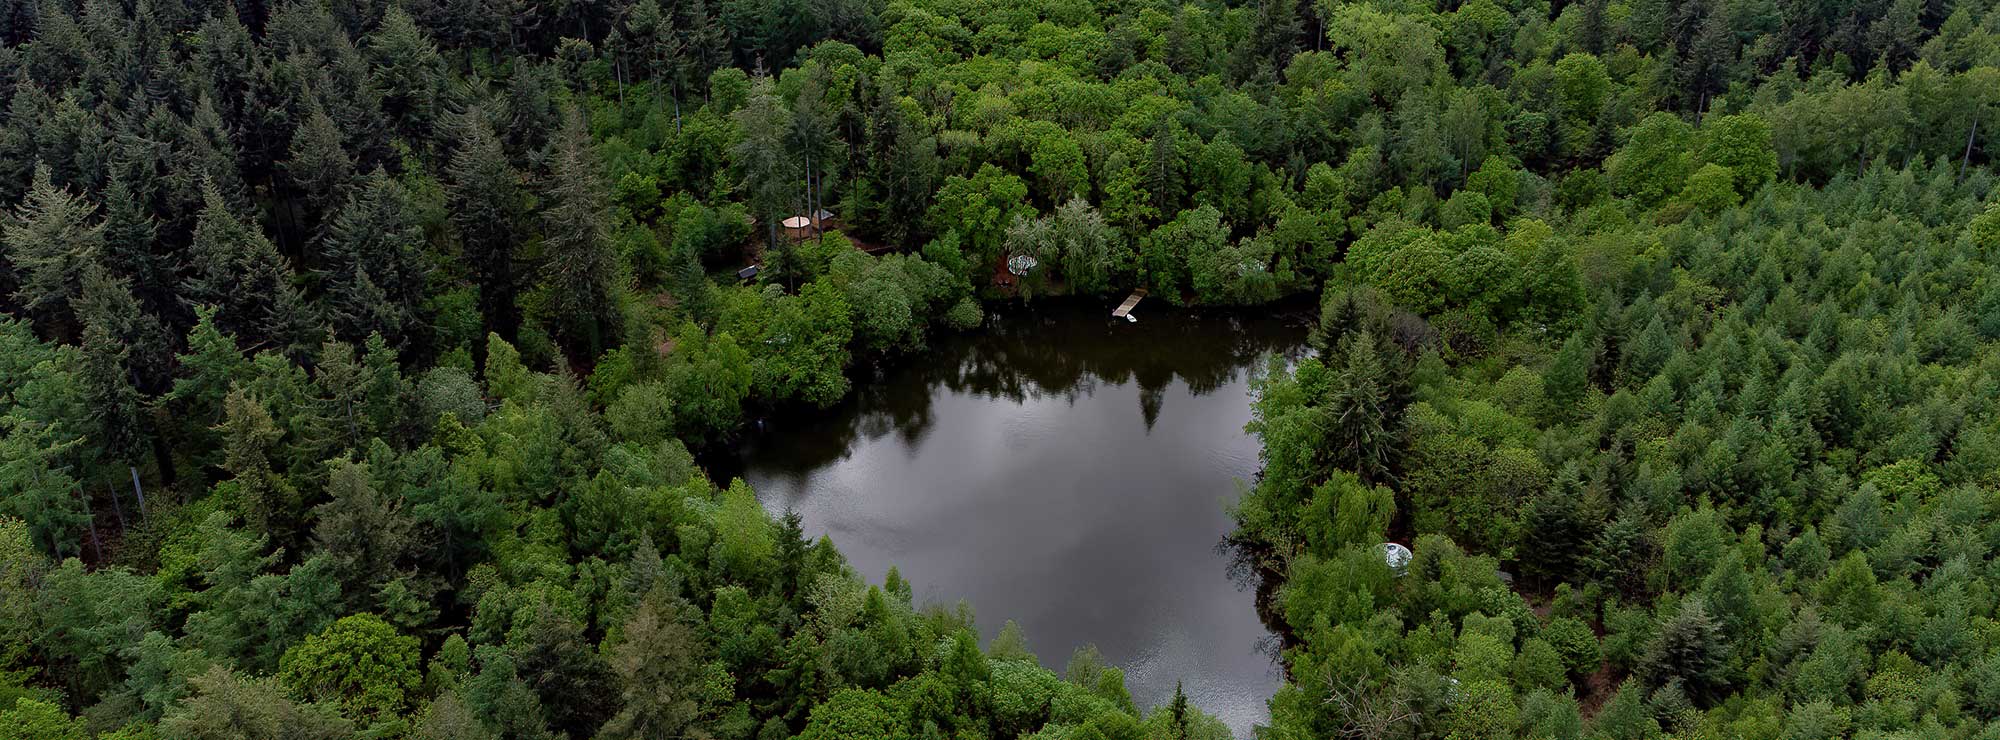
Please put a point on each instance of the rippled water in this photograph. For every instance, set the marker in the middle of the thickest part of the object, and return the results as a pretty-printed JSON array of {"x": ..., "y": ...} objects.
[{"x": 1062, "y": 471}]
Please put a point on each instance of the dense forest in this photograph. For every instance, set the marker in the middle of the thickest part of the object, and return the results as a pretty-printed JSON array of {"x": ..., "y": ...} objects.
[{"x": 354, "y": 354}]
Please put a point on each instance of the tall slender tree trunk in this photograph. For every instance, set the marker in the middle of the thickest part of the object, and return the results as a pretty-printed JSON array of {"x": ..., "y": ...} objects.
[
  {"x": 117, "y": 508},
  {"x": 1967, "y": 159},
  {"x": 90, "y": 525},
  {"x": 137, "y": 490}
]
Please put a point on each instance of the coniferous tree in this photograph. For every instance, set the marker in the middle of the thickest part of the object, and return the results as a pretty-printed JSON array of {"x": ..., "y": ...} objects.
[
  {"x": 704, "y": 37},
  {"x": 1177, "y": 714},
  {"x": 410, "y": 74},
  {"x": 52, "y": 239},
  {"x": 1557, "y": 531},
  {"x": 581, "y": 290},
  {"x": 235, "y": 269},
  {"x": 663, "y": 682},
  {"x": 319, "y": 167},
  {"x": 1163, "y": 170},
  {"x": 564, "y": 667},
  {"x": 1568, "y": 378},
  {"x": 1361, "y": 420},
  {"x": 769, "y": 176},
  {"x": 269, "y": 502},
  {"x": 119, "y": 342},
  {"x": 36, "y": 482},
  {"x": 208, "y": 368},
  {"x": 375, "y": 273},
  {"x": 134, "y": 251},
  {"x": 224, "y": 706},
  {"x": 487, "y": 201},
  {"x": 1690, "y": 649},
  {"x": 364, "y": 533}
]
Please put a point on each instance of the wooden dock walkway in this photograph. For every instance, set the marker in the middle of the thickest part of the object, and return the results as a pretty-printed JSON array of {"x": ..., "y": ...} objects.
[{"x": 1131, "y": 302}]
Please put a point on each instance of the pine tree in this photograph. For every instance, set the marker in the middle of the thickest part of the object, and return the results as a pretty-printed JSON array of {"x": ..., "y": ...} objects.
[
  {"x": 205, "y": 157},
  {"x": 132, "y": 248},
  {"x": 1179, "y": 723},
  {"x": 1274, "y": 36},
  {"x": 319, "y": 166},
  {"x": 268, "y": 502},
  {"x": 36, "y": 482},
  {"x": 1594, "y": 29},
  {"x": 409, "y": 73},
  {"x": 809, "y": 133},
  {"x": 581, "y": 290},
  {"x": 362, "y": 531},
  {"x": 342, "y": 388},
  {"x": 1897, "y": 34},
  {"x": 657, "y": 659},
  {"x": 51, "y": 239},
  {"x": 658, "y": 44},
  {"x": 564, "y": 666},
  {"x": 234, "y": 268},
  {"x": 902, "y": 165},
  {"x": 212, "y": 362},
  {"x": 1689, "y": 648},
  {"x": 1558, "y": 529},
  {"x": 487, "y": 201},
  {"x": 1619, "y": 555},
  {"x": 375, "y": 272},
  {"x": 1360, "y": 416},
  {"x": 769, "y": 181},
  {"x": 107, "y": 374},
  {"x": 704, "y": 38},
  {"x": 1163, "y": 168},
  {"x": 385, "y": 393},
  {"x": 1706, "y": 57},
  {"x": 1568, "y": 378},
  {"x": 20, "y": 154}
]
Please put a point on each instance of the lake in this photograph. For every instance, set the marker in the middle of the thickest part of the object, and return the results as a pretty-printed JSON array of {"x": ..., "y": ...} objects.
[{"x": 1062, "y": 470}]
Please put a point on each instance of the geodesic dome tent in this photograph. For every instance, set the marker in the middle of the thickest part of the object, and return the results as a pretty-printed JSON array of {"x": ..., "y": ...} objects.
[
  {"x": 1397, "y": 556},
  {"x": 1020, "y": 264}
]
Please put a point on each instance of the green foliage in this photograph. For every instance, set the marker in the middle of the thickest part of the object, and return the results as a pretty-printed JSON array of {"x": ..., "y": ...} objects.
[
  {"x": 1683, "y": 313},
  {"x": 359, "y": 663},
  {"x": 1654, "y": 163},
  {"x": 1742, "y": 145},
  {"x": 707, "y": 378},
  {"x": 1711, "y": 188},
  {"x": 225, "y": 706},
  {"x": 852, "y": 714},
  {"x": 30, "y": 719}
]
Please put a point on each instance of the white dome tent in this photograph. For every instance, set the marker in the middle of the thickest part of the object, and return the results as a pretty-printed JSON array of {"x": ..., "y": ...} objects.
[
  {"x": 1020, "y": 264},
  {"x": 1397, "y": 556}
]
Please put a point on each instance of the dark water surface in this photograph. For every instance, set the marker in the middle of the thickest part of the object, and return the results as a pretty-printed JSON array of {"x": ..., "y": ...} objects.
[{"x": 1060, "y": 470}]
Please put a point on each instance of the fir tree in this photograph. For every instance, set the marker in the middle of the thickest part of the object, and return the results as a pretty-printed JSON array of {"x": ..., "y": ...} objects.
[
  {"x": 114, "y": 332},
  {"x": 487, "y": 201},
  {"x": 319, "y": 166},
  {"x": 234, "y": 268},
  {"x": 768, "y": 174},
  {"x": 133, "y": 250},
  {"x": 581, "y": 292},
  {"x": 1359, "y": 414},
  {"x": 1689, "y": 648},
  {"x": 375, "y": 272},
  {"x": 51, "y": 240}
]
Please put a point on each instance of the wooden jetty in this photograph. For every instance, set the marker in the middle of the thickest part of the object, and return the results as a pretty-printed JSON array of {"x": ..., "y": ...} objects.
[{"x": 1131, "y": 302}]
